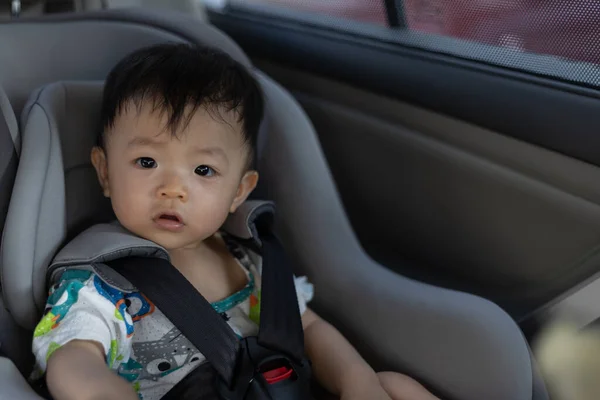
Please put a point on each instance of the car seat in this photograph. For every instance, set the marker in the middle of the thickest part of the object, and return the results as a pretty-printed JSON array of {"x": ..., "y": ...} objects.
[
  {"x": 12, "y": 337},
  {"x": 190, "y": 7},
  {"x": 461, "y": 346}
]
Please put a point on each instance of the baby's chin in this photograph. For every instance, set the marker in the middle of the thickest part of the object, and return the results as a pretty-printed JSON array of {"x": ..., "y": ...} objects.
[
  {"x": 186, "y": 238},
  {"x": 173, "y": 242}
]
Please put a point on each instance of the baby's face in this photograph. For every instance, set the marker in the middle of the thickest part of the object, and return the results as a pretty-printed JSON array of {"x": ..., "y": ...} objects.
[{"x": 173, "y": 191}]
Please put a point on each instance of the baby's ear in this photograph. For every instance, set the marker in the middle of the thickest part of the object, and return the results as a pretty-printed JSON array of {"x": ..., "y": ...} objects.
[
  {"x": 246, "y": 186},
  {"x": 98, "y": 157}
]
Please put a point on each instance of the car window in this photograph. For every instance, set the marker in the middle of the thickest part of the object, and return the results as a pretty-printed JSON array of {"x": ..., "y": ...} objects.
[
  {"x": 567, "y": 29},
  {"x": 370, "y": 11},
  {"x": 550, "y": 38}
]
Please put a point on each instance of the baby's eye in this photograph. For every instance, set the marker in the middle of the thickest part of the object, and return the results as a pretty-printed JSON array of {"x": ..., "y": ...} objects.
[
  {"x": 146, "y": 162},
  {"x": 204, "y": 170}
]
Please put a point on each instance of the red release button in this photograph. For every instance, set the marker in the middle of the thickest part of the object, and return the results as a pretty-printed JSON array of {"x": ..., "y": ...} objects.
[{"x": 278, "y": 375}]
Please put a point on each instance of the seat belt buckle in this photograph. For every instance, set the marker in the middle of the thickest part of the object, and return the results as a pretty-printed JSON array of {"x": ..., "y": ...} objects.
[
  {"x": 265, "y": 374},
  {"x": 277, "y": 374}
]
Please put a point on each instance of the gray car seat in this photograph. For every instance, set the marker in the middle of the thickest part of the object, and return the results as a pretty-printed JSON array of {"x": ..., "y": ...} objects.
[
  {"x": 12, "y": 336},
  {"x": 464, "y": 347}
]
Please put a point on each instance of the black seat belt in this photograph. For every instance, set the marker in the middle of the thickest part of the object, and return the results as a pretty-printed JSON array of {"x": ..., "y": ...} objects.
[
  {"x": 181, "y": 303},
  {"x": 242, "y": 366},
  {"x": 280, "y": 321}
]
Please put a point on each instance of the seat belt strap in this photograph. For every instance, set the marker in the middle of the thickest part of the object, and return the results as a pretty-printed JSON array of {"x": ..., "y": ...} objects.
[
  {"x": 280, "y": 322},
  {"x": 185, "y": 307}
]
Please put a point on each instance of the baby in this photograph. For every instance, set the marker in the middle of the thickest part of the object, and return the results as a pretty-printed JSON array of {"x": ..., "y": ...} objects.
[{"x": 175, "y": 157}]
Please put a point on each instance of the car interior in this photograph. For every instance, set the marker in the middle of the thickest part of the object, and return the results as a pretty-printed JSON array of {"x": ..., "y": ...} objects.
[{"x": 441, "y": 192}]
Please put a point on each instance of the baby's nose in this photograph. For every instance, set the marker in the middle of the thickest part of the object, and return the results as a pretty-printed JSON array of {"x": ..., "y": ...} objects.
[
  {"x": 173, "y": 194},
  {"x": 173, "y": 189}
]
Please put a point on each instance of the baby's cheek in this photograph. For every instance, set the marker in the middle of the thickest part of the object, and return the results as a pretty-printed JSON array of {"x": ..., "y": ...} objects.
[
  {"x": 129, "y": 210},
  {"x": 211, "y": 214}
]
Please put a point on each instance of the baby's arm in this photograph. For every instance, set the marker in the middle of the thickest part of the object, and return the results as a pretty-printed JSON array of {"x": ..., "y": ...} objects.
[
  {"x": 342, "y": 371},
  {"x": 78, "y": 371},
  {"x": 83, "y": 337}
]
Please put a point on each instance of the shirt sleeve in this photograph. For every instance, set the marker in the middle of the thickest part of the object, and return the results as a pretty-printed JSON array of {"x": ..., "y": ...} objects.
[
  {"x": 304, "y": 292},
  {"x": 81, "y": 306}
]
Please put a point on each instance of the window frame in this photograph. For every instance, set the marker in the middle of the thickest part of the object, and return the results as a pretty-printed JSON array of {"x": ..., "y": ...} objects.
[
  {"x": 550, "y": 112},
  {"x": 395, "y": 13},
  {"x": 581, "y": 73}
]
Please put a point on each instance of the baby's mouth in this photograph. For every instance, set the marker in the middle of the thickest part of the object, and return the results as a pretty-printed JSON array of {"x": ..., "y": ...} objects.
[
  {"x": 169, "y": 221},
  {"x": 170, "y": 217}
]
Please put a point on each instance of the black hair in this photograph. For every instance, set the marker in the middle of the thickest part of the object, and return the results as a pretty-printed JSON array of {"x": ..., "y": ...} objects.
[{"x": 174, "y": 77}]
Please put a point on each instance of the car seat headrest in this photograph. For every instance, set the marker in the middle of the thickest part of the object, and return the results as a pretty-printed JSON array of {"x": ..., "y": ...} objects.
[
  {"x": 85, "y": 46},
  {"x": 72, "y": 111}
]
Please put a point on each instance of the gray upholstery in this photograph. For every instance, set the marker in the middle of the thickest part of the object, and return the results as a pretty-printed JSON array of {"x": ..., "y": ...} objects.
[
  {"x": 192, "y": 7},
  {"x": 11, "y": 335},
  {"x": 9, "y": 147},
  {"x": 462, "y": 345},
  {"x": 466, "y": 346},
  {"x": 36, "y": 52},
  {"x": 10, "y": 120},
  {"x": 102, "y": 243},
  {"x": 36, "y": 222},
  {"x": 14, "y": 340},
  {"x": 242, "y": 223},
  {"x": 12, "y": 384}
]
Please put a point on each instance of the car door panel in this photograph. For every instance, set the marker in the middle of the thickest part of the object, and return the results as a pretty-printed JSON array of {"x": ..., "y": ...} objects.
[{"x": 460, "y": 219}]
